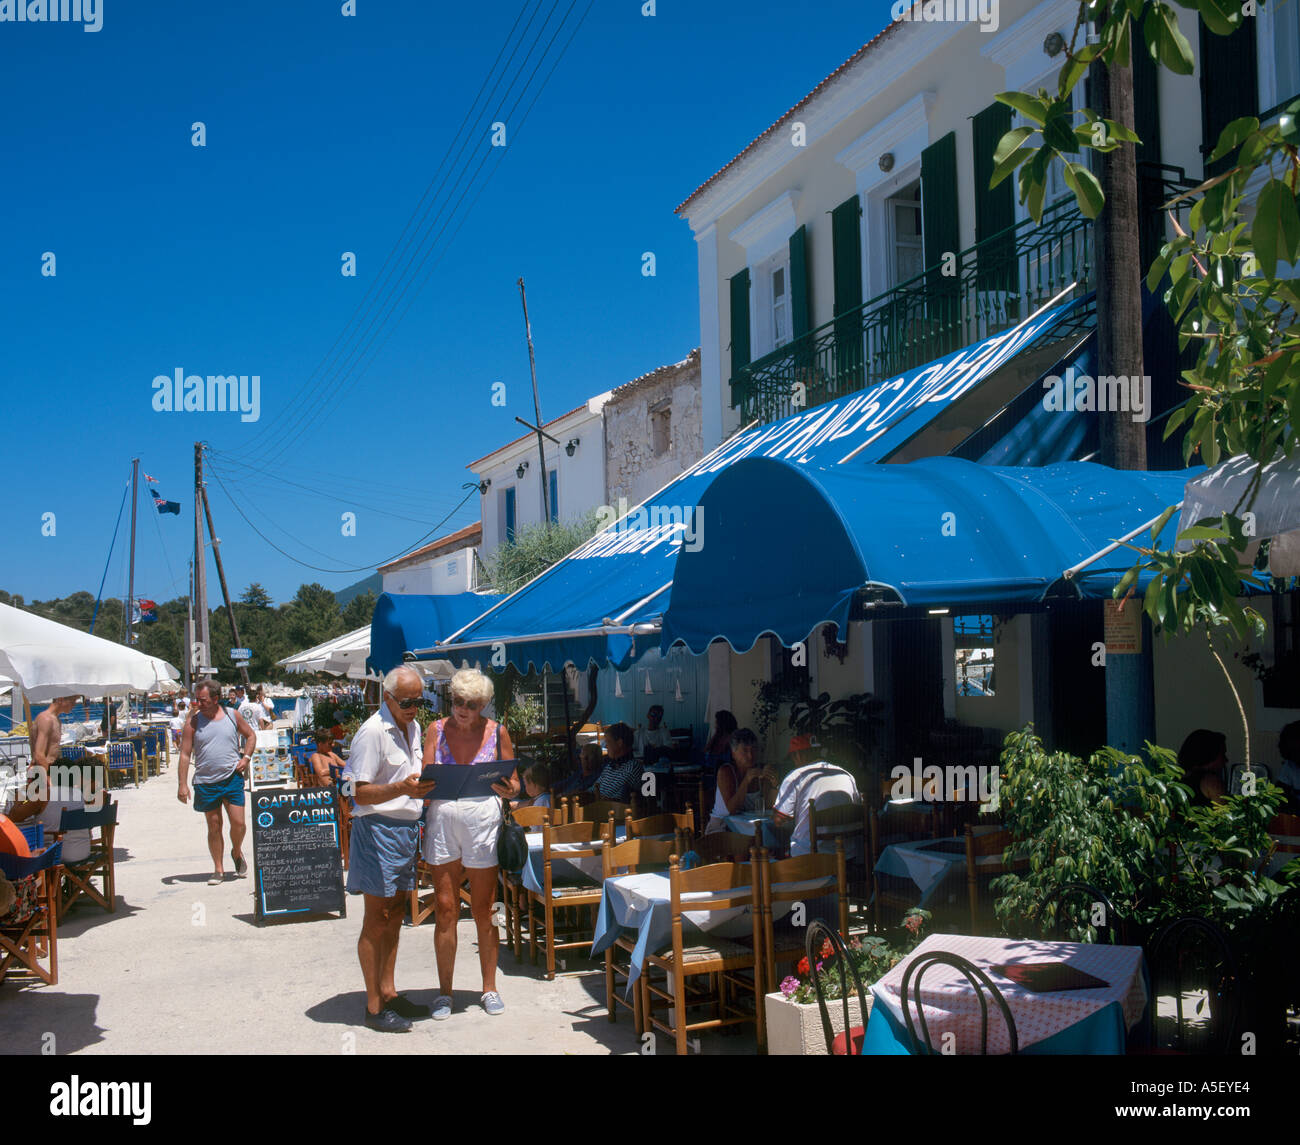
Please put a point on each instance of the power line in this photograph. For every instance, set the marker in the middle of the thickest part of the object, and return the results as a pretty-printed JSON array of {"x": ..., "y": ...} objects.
[
  {"x": 317, "y": 568},
  {"x": 353, "y": 365},
  {"x": 403, "y": 241}
]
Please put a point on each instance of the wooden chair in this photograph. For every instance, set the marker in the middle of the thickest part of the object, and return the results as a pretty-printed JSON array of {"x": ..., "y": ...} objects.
[
  {"x": 343, "y": 809},
  {"x": 29, "y": 939},
  {"x": 512, "y": 882},
  {"x": 629, "y": 858},
  {"x": 845, "y": 821},
  {"x": 1288, "y": 826},
  {"x": 980, "y": 983},
  {"x": 730, "y": 885},
  {"x": 79, "y": 876},
  {"x": 725, "y": 846},
  {"x": 555, "y": 895},
  {"x": 780, "y": 883},
  {"x": 122, "y": 761},
  {"x": 984, "y": 847},
  {"x": 668, "y": 823},
  {"x": 598, "y": 811}
]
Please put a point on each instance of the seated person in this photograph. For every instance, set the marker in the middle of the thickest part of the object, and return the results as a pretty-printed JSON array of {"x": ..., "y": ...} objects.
[
  {"x": 323, "y": 758},
  {"x": 655, "y": 741},
  {"x": 584, "y": 780},
  {"x": 622, "y": 771},
  {"x": 1288, "y": 777},
  {"x": 537, "y": 787},
  {"x": 1204, "y": 758},
  {"x": 742, "y": 785},
  {"x": 822, "y": 783},
  {"x": 718, "y": 750}
]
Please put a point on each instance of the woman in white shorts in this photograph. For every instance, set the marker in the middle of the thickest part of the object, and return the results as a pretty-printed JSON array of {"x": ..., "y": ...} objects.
[{"x": 460, "y": 835}]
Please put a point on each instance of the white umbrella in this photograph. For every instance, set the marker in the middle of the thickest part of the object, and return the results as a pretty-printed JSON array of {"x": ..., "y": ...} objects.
[
  {"x": 342, "y": 656},
  {"x": 47, "y": 659},
  {"x": 1275, "y": 510}
]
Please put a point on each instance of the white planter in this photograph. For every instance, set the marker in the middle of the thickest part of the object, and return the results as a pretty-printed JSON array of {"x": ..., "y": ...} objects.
[{"x": 795, "y": 1028}]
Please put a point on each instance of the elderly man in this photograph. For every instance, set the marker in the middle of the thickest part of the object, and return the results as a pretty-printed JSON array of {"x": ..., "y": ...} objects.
[
  {"x": 212, "y": 736},
  {"x": 384, "y": 771},
  {"x": 812, "y": 780}
]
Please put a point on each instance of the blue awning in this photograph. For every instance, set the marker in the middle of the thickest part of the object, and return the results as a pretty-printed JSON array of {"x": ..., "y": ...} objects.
[
  {"x": 604, "y": 601},
  {"x": 790, "y": 547},
  {"x": 401, "y": 623}
]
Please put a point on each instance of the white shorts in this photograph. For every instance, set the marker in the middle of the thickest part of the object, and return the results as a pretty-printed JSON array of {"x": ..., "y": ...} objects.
[{"x": 464, "y": 829}]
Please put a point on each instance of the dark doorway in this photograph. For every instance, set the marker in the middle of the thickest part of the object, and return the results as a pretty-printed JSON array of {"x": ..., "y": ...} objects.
[
  {"x": 916, "y": 671},
  {"x": 1078, "y": 685}
]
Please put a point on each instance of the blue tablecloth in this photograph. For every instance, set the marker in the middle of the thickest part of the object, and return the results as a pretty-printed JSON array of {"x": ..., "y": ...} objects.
[
  {"x": 925, "y": 866},
  {"x": 742, "y": 823},
  {"x": 589, "y": 868}
]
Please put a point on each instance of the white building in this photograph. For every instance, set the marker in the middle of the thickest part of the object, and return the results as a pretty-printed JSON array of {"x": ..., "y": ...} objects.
[{"x": 442, "y": 567}]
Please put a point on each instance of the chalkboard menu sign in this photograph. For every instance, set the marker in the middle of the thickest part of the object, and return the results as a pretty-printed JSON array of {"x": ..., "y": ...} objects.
[{"x": 297, "y": 864}]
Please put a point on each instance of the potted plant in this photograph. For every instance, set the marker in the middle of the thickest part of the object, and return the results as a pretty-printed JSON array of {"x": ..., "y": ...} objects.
[{"x": 794, "y": 1024}]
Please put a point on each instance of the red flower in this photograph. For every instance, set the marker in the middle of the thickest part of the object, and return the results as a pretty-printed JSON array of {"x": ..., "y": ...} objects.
[
  {"x": 802, "y": 968},
  {"x": 827, "y": 949}
]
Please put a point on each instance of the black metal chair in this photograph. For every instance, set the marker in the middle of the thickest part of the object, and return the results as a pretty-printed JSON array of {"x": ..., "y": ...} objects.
[
  {"x": 1193, "y": 954},
  {"x": 850, "y": 1041},
  {"x": 979, "y": 982},
  {"x": 1111, "y": 929}
]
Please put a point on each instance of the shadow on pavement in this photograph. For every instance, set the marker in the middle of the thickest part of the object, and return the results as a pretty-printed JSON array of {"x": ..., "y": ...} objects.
[
  {"x": 37, "y": 1021},
  {"x": 86, "y": 914}
]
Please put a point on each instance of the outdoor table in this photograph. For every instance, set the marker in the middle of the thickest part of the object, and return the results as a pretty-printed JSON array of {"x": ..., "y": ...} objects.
[
  {"x": 928, "y": 864},
  {"x": 742, "y": 823},
  {"x": 1093, "y": 1021},
  {"x": 585, "y": 868},
  {"x": 643, "y": 903}
]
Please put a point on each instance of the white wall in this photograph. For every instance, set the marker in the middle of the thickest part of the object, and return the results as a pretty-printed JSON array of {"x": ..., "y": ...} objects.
[{"x": 438, "y": 576}]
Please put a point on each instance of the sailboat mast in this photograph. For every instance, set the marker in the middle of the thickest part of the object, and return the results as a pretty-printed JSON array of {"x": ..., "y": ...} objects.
[{"x": 130, "y": 583}]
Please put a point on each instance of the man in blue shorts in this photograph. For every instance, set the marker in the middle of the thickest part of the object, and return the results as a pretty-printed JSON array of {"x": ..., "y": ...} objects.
[
  {"x": 212, "y": 736},
  {"x": 384, "y": 769}
]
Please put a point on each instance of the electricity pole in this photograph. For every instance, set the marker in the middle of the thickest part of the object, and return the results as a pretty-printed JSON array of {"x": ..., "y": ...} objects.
[
  {"x": 537, "y": 412},
  {"x": 200, "y": 566}
]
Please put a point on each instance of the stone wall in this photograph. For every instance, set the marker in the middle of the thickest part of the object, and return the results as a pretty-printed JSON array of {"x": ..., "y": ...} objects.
[{"x": 653, "y": 430}]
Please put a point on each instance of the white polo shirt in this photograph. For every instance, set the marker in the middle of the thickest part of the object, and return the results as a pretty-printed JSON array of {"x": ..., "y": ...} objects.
[
  {"x": 382, "y": 754},
  {"x": 823, "y": 783}
]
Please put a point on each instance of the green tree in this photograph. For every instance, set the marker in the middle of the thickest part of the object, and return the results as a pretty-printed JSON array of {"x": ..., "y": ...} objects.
[
  {"x": 359, "y": 610},
  {"x": 535, "y": 549},
  {"x": 313, "y": 616},
  {"x": 256, "y": 596}
]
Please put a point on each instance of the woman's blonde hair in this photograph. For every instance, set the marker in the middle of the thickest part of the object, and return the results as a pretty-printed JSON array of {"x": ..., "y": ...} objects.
[{"x": 470, "y": 684}]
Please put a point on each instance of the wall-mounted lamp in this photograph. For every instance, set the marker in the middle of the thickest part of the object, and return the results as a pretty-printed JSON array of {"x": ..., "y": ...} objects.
[
  {"x": 483, "y": 485},
  {"x": 1054, "y": 44},
  {"x": 886, "y": 162},
  {"x": 519, "y": 469},
  {"x": 574, "y": 442}
]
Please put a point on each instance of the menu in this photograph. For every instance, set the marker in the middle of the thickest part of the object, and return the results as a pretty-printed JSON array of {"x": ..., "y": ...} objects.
[{"x": 297, "y": 863}]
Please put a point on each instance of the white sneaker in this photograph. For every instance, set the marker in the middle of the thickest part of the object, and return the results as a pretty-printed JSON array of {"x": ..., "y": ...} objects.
[
  {"x": 441, "y": 1008},
  {"x": 492, "y": 1003}
]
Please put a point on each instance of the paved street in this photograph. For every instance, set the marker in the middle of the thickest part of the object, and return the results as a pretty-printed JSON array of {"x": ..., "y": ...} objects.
[{"x": 182, "y": 967}]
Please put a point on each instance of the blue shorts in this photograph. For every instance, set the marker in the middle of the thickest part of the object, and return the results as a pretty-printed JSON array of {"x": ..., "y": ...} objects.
[
  {"x": 381, "y": 858},
  {"x": 229, "y": 790}
]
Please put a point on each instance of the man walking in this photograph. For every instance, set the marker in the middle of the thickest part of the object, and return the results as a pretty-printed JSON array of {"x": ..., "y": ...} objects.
[
  {"x": 212, "y": 736},
  {"x": 384, "y": 769}
]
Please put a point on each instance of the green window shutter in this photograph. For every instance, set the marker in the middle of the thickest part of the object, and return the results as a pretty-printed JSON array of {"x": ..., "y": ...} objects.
[
  {"x": 846, "y": 244},
  {"x": 939, "y": 199},
  {"x": 799, "y": 283},
  {"x": 1229, "y": 85},
  {"x": 739, "y": 328},
  {"x": 995, "y": 208}
]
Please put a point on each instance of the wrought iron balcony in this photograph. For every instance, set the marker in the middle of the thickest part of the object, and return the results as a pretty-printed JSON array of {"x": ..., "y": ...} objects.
[{"x": 989, "y": 288}]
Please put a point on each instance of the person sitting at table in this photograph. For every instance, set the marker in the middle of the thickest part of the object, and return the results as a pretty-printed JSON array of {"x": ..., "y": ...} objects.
[
  {"x": 1288, "y": 777},
  {"x": 537, "y": 787},
  {"x": 817, "y": 781},
  {"x": 1204, "y": 758},
  {"x": 742, "y": 785},
  {"x": 585, "y": 779},
  {"x": 622, "y": 771},
  {"x": 654, "y": 741},
  {"x": 324, "y": 758},
  {"x": 718, "y": 750}
]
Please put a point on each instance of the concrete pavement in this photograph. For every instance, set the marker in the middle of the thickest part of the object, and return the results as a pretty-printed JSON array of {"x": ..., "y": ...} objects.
[{"x": 182, "y": 967}]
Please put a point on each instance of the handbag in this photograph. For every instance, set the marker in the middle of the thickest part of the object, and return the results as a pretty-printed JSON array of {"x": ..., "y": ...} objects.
[{"x": 512, "y": 843}]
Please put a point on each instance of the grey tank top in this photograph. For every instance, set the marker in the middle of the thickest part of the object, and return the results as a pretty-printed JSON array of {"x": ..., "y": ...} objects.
[{"x": 216, "y": 748}]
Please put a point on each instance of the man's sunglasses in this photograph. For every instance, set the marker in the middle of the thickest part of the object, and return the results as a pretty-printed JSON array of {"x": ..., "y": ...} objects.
[{"x": 407, "y": 705}]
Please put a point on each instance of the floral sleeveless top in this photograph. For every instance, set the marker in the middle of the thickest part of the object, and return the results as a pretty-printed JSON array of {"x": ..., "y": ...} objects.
[{"x": 490, "y": 750}]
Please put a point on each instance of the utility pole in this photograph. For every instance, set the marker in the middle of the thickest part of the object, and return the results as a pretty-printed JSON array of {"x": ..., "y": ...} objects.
[
  {"x": 1130, "y": 677},
  {"x": 200, "y": 564},
  {"x": 537, "y": 412},
  {"x": 221, "y": 576}
]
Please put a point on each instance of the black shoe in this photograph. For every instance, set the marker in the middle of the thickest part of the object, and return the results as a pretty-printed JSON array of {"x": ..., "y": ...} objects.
[
  {"x": 387, "y": 1022},
  {"x": 403, "y": 1007}
]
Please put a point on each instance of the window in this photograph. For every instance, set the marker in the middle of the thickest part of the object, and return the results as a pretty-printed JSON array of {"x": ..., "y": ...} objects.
[
  {"x": 1279, "y": 78},
  {"x": 771, "y": 301},
  {"x": 907, "y": 256},
  {"x": 973, "y": 641},
  {"x": 554, "y": 495},
  {"x": 780, "y": 307},
  {"x": 510, "y": 515},
  {"x": 661, "y": 439}
]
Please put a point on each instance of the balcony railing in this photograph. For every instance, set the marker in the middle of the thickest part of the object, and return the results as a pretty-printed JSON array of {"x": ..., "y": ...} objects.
[{"x": 991, "y": 286}]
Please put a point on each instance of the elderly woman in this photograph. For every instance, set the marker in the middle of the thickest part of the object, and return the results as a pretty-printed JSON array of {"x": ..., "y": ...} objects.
[
  {"x": 460, "y": 835},
  {"x": 324, "y": 758}
]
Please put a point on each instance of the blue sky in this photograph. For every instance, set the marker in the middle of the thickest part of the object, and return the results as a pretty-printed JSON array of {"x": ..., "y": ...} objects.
[{"x": 322, "y": 134}]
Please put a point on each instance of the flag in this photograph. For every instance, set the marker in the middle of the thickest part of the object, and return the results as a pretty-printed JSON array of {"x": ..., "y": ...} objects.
[
  {"x": 151, "y": 480},
  {"x": 145, "y": 604},
  {"x": 167, "y": 506}
]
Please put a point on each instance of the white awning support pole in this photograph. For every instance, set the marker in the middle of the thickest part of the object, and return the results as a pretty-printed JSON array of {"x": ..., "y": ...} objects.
[{"x": 1070, "y": 572}]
